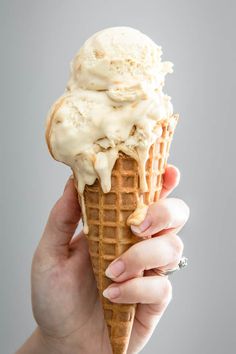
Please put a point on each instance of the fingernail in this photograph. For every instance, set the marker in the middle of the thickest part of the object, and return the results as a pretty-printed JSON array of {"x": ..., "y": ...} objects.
[
  {"x": 111, "y": 293},
  {"x": 142, "y": 227},
  {"x": 115, "y": 269}
]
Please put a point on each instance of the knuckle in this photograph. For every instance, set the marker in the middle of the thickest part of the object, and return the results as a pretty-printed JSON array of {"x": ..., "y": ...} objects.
[
  {"x": 185, "y": 210},
  {"x": 177, "y": 247},
  {"x": 178, "y": 208},
  {"x": 166, "y": 292}
]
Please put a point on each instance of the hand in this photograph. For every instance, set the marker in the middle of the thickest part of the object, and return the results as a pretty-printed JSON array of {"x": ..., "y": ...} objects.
[{"x": 65, "y": 300}]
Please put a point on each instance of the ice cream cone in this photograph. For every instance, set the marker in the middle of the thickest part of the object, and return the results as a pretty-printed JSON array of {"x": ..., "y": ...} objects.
[
  {"x": 109, "y": 235},
  {"x": 113, "y": 127}
]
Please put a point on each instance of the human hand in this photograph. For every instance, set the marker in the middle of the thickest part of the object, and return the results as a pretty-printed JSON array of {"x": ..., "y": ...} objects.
[{"x": 65, "y": 299}]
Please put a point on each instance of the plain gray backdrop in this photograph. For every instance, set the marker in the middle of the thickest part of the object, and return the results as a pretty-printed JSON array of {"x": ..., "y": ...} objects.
[{"x": 38, "y": 40}]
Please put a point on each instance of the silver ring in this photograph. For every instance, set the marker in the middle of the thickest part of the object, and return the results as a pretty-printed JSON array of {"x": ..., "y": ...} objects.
[{"x": 182, "y": 264}]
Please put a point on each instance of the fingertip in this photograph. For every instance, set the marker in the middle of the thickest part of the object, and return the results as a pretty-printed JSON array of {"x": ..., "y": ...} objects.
[
  {"x": 71, "y": 178},
  {"x": 67, "y": 210},
  {"x": 70, "y": 187},
  {"x": 70, "y": 194}
]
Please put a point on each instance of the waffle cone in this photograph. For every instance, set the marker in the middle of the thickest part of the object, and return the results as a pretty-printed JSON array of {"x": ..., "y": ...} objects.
[{"x": 109, "y": 235}]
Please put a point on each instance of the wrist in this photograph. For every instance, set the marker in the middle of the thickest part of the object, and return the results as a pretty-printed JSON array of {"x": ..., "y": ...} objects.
[
  {"x": 35, "y": 344},
  {"x": 40, "y": 343},
  {"x": 64, "y": 345}
]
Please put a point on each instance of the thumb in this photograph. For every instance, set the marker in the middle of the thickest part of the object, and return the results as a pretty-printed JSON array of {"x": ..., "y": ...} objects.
[{"x": 62, "y": 222}]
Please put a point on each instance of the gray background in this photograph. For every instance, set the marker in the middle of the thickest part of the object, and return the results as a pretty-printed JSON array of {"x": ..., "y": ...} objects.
[{"x": 38, "y": 39}]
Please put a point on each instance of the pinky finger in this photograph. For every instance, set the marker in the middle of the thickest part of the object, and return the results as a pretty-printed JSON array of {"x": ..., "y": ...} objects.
[{"x": 146, "y": 319}]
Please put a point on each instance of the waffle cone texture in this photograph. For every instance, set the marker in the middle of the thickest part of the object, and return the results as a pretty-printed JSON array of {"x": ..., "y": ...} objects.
[{"x": 109, "y": 235}]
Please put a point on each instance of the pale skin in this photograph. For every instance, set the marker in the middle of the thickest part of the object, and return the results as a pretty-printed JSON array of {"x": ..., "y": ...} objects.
[{"x": 65, "y": 300}]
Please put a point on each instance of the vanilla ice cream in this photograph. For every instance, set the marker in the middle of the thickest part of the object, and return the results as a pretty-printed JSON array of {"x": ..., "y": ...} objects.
[{"x": 113, "y": 103}]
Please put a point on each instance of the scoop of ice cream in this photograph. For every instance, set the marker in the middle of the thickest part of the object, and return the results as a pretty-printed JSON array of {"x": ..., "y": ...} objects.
[
  {"x": 121, "y": 60},
  {"x": 113, "y": 103}
]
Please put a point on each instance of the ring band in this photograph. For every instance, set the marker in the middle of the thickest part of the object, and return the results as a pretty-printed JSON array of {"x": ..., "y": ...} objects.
[{"x": 182, "y": 264}]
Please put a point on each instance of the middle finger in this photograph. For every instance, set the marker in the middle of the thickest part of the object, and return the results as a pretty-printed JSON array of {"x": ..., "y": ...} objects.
[{"x": 163, "y": 252}]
